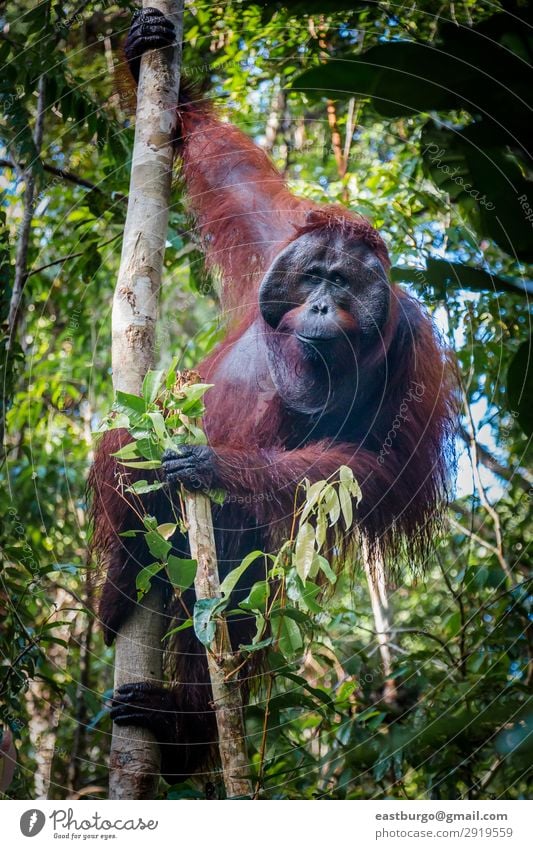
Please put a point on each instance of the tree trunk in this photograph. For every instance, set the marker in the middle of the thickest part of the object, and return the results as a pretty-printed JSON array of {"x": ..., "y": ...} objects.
[
  {"x": 377, "y": 588},
  {"x": 23, "y": 243},
  {"x": 45, "y": 709},
  {"x": 227, "y": 700},
  {"x": 135, "y": 759}
]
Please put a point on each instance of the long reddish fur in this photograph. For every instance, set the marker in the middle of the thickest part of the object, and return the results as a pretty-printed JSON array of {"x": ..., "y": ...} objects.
[{"x": 245, "y": 214}]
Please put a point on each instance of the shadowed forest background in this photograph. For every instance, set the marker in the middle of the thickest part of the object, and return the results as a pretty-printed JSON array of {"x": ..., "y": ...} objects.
[{"x": 417, "y": 116}]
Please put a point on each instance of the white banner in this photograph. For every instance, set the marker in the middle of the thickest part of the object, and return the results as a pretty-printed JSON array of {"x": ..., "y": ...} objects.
[{"x": 309, "y": 824}]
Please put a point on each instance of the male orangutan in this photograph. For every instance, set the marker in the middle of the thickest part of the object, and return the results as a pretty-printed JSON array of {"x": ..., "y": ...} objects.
[{"x": 327, "y": 363}]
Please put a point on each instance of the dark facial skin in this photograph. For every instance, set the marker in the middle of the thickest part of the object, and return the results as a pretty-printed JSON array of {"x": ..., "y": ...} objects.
[
  {"x": 327, "y": 298},
  {"x": 327, "y": 290}
]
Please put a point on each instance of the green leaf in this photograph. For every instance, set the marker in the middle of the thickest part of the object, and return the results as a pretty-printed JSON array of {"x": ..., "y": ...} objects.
[
  {"x": 315, "y": 691},
  {"x": 301, "y": 8},
  {"x": 150, "y": 522},
  {"x": 158, "y": 421},
  {"x": 487, "y": 182},
  {"x": 391, "y": 74},
  {"x": 294, "y": 586},
  {"x": 332, "y": 505},
  {"x": 151, "y": 383},
  {"x": 321, "y": 528},
  {"x": 291, "y": 613},
  {"x": 217, "y": 496},
  {"x": 347, "y": 478},
  {"x": 167, "y": 529},
  {"x": 452, "y": 624},
  {"x": 149, "y": 449},
  {"x": 228, "y": 584},
  {"x": 193, "y": 409},
  {"x": 158, "y": 546},
  {"x": 289, "y": 637},
  {"x": 345, "y": 500},
  {"x": 262, "y": 644},
  {"x": 369, "y": 713},
  {"x": 309, "y": 595},
  {"x": 198, "y": 277},
  {"x": 305, "y": 550},
  {"x": 196, "y": 436},
  {"x": 143, "y": 581},
  {"x": 195, "y": 392},
  {"x": 143, "y": 487},
  {"x": 381, "y": 767},
  {"x": 447, "y": 73},
  {"x": 184, "y": 625},
  {"x": 204, "y": 624},
  {"x": 170, "y": 379},
  {"x": 181, "y": 571},
  {"x": 326, "y": 569},
  {"x": 312, "y": 497},
  {"x": 257, "y": 597},
  {"x": 142, "y": 464},
  {"x": 127, "y": 452},
  {"x": 126, "y": 403}
]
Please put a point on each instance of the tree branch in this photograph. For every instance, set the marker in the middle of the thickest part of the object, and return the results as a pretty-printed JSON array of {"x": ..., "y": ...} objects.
[
  {"x": 520, "y": 476},
  {"x": 69, "y": 176}
]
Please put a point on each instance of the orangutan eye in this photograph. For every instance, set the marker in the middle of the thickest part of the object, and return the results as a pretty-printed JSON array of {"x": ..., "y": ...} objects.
[
  {"x": 339, "y": 280},
  {"x": 313, "y": 276}
]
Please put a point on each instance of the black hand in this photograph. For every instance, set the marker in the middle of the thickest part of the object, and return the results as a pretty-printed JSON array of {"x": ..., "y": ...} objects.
[
  {"x": 191, "y": 465},
  {"x": 149, "y": 706},
  {"x": 150, "y": 30}
]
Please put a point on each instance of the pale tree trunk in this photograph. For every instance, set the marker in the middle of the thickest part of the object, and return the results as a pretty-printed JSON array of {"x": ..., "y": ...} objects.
[
  {"x": 275, "y": 118},
  {"x": 23, "y": 243},
  {"x": 227, "y": 700},
  {"x": 44, "y": 708},
  {"x": 377, "y": 587},
  {"x": 135, "y": 759}
]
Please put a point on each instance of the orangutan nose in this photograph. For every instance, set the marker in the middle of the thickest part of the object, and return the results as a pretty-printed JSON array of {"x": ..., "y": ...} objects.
[{"x": 322, "y": 308}]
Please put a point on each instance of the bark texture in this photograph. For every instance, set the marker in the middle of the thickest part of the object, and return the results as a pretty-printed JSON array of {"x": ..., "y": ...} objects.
[
  {"x": 135, "y": 759},
  {"x": 227, "y": 700}
]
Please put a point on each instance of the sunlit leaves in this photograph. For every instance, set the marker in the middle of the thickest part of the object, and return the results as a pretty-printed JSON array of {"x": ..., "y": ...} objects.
[
  {"x": 158, "y": 420},
  {"x": 305, "y": 549},
  {"x": 324, "y": 503}
]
